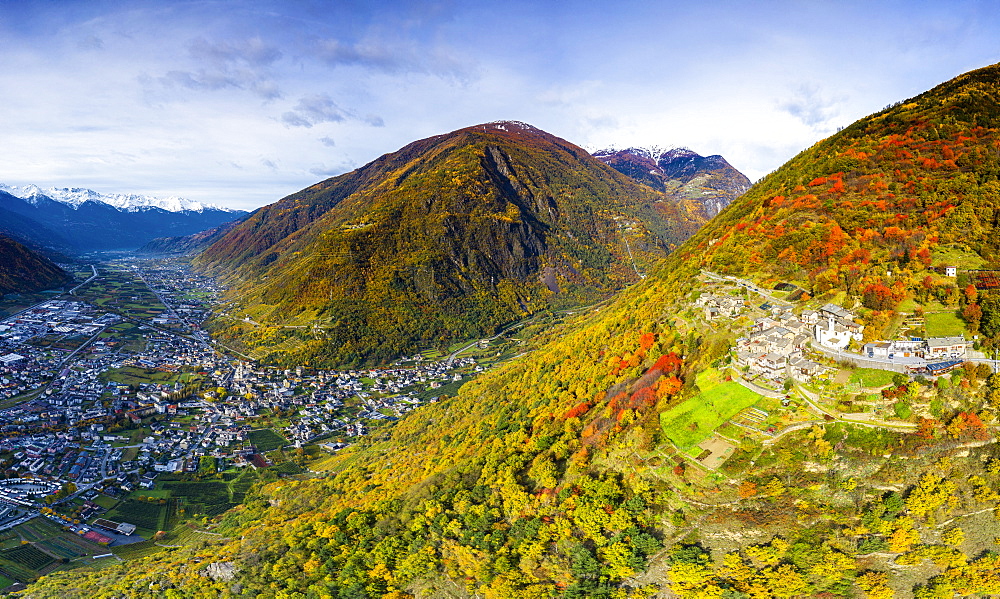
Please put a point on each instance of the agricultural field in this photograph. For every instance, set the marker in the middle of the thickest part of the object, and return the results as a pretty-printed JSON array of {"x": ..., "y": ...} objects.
[
  {"x": 37, "y": 529},
  {"x": 69, "y": 546},
  {"x": 120, "y": 291},
  {"x": 871, "y": 377},
  {"x": 266, "y": 440},
  {"x": 131, "y": 375},
  {"x": 8, "y": 540},
  {"x": 131, "y": 338},
  {"x": 27, "y": 557},
  {"x": 944, "y": 324},
  {"x": 209, "y": 498},
  {"x": 694, "y": 419},
  {"x": 136, "y": 550},
  {"x": 148, "y": 517},
  {"x": 287, "y": 468},
  {"x": 40, "y": 546},
  {"x": 242, "y": 482}
]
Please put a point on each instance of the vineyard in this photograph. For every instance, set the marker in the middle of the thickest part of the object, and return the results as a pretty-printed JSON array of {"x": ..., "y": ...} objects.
[
  {"x": 208, "y": 498},
  {"x": 145, "y": 515},
  {"x": 266, "y": 440}
]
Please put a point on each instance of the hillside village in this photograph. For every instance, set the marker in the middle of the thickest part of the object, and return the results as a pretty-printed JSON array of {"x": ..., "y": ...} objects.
[{"x": 783, "y": 344}]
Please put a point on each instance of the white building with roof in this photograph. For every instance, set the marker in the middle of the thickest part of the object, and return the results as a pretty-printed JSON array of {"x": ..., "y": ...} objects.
[{"x": 947, "y": 347}]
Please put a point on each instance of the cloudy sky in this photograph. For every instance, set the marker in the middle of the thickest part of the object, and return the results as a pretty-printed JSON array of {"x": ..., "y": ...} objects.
[{"x": 242, "y": 103}]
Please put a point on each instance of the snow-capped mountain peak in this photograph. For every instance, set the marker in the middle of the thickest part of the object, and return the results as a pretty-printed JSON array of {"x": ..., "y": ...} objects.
[
  {"x": 125, "y": 202},
  {"x": 652, "y": 153}
]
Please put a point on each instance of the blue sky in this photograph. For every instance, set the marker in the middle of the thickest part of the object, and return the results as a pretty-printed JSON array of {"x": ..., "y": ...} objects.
[{"x": 242, "y": 103}]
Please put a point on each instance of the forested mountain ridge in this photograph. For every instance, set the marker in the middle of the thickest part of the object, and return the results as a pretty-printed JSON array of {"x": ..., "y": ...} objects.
[
  {"x": 877, "y": 210},
  {"x": 706, "y": 184},
  {"x": 446, "y": 239},
  {"x": 23, "y": 270},
  {"x": 553, "y": 475}
]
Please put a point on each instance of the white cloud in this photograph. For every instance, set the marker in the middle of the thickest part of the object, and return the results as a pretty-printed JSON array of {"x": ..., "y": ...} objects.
[
  {"x": 313, "y": 110},
  {"x": 809, "y": 105},
  {"x": 324, "y": 171},
  {"x": 243, "y": 65}
]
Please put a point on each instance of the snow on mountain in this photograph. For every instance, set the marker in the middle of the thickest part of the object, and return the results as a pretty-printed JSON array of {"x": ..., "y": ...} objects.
[
  {"x": 675, "y": 153},
  {"x": 125, "y": 202},
  {"x": 653, "y": 153},
  {"x": 510, "y": 125}
]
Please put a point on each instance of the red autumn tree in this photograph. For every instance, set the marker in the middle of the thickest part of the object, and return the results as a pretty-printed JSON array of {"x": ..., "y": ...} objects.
[
  {"x": 668, "y": 386},
  {"x": 668, "y": 363}
]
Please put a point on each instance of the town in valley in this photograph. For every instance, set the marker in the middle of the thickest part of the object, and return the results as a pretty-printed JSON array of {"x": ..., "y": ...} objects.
[{"x": 113, "y": 398}]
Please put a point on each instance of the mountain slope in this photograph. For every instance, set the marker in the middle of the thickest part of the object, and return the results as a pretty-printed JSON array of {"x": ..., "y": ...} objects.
[
  {"x": 706, "y": 184},
  {"x": 23, "y": 270},
  {"x": 444, "y": 240},
  {"x": 896, "y": 191},
  {"x": 551, "y": 476}
]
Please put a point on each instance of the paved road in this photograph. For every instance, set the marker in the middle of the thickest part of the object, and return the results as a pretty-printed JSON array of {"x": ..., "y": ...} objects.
[
  {"x": 901, "y": 364},
  {"x": 92, "y": 277},
  {"x": 749, "y": 285},
  {"x": 503, "y": 331},
  {"x": 67, "y": 359}
]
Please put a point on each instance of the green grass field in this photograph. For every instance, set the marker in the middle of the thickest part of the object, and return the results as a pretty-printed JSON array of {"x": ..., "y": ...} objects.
[
  {"x": 129, "y": 375},
  {"x": 957, "y": 256},
  {"x": 907, "y": 306},
  {"x": 944, "y": 324},
  {"x": 693, "y": 420},
  {"x": 871, "y": 377}
]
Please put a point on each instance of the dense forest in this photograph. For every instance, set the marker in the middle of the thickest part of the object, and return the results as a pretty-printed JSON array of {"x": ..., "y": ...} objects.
[{"x": 24, "y": 270}]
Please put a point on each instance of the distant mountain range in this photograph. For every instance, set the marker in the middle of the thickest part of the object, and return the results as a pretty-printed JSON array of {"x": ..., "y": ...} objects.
[
  {"x": 706, "y": 184},
  {"x": 128, "y": 202},
  {"x": 71, "y": 220}
]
